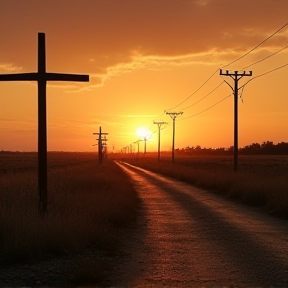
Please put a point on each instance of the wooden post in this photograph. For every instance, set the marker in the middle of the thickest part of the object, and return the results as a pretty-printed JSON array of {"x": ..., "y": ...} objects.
[
  {"x": 100, "y": 144},
  {"x": 42, "y": 77},
  {"x": 159, "y": 124},
  {"x": 173, "y": 116},
  {"x": 236, "y": 76}
]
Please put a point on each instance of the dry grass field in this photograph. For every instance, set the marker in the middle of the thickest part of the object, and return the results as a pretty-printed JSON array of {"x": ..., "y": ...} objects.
[
  {"x": 260, "y": 181},
  {"x": 86, "y": 203},
  {"x": 89, "y": 204}
]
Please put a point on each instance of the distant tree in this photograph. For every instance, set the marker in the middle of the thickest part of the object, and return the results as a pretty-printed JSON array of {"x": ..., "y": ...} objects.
[
  {"x": 282, "y": 148},
  {"x": 230, "y": 149},
  {"x": 267, "y": 147},
  {"x": 198, "y": 148}
]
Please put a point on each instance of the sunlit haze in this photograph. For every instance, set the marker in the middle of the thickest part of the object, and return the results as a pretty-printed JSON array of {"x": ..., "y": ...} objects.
[
  {"x": 144, "y": 58},
  {"x": 143, "y": 132}
]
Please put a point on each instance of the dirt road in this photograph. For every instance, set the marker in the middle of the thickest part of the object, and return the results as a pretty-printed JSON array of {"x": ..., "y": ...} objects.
[{"x": 187, "y": 237}]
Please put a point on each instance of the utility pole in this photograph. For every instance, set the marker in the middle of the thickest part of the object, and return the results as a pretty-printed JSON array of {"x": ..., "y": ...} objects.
[
  {"x": 42, "y": 77},
  {"x": 236, "y": 76},
  {"x": 159, "y": 124},
  {"x": 131, "y": 149},
  {"x": 100, "y": 144},
  {"x": 137, "y": 142},
  {"x": 144, "y": 139},
  {"x": 103, "y": 148},
  {"x": 173, "y": 116}
]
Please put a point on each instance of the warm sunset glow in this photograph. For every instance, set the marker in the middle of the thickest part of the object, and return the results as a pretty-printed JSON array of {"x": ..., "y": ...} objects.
[
  {"x": 143, "y": 132},
  {"x": 144, "y": 58}
]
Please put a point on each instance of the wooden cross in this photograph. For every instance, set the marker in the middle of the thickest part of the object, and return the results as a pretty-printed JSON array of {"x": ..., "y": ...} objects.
[{"x": 42, "y": 77}]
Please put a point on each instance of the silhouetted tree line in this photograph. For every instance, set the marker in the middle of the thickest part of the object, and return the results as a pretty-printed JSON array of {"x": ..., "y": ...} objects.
[{"x": 266, "y": 148}]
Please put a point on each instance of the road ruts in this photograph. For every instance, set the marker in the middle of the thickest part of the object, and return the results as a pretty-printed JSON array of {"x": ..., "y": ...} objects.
[{"x": 187, "y": 237}]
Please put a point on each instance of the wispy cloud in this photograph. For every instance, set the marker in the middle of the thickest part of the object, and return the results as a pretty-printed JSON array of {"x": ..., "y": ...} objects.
[
  {"x": 138, "y": 61},
  {"x": 137, "y": 116},
  {"x": 201, "y": 2},
  {"x": 8, "y": 68}
]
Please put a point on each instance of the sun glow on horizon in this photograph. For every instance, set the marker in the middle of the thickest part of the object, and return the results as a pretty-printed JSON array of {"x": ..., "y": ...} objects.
[{"x": 143, "y": 132}]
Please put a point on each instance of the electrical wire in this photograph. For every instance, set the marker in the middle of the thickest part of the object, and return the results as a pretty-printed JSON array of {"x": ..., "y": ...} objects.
[
  {"x": 206, "y": 108},
  {"x": 265, "y": 58},
  {"x": 242, "y": 87},
  {"x": 268, "y": 72},
  {"x": 161, "y": 115},
  {"x": 251, "y": 50},
  {"x": 193, "y": 92},
  {"x": 203, "y": 97},
  {"x": 254, "y": 48}
]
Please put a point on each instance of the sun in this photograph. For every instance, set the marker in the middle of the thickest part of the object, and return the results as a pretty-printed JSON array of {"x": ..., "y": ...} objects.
[{"x": 143, "y": 132}]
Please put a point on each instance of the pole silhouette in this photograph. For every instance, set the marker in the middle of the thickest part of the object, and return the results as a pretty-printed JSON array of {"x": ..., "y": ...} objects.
[
  {"x": 173, "y": 116},
  {"x": 236, "y": 76},
  {"x": 145, "y": 141},
  {"x": 100, "y": 144},
  {"x": 125, "y": 149},
  {"x": 159, "y": 124},
  {"x": 137, "y": 142},
  {"x": 42, "y": 77}
]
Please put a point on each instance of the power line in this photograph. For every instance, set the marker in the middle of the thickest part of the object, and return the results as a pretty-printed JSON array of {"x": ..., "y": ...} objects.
[
  {"x": 161, "y": 115},
  {"x": 268, "y": 72},
  {"x": 203, "y": 97},
  {"x": 205, "y": 109},
  {"x": 251, "y": 50},
  {"x": 269, "y": 56},
  {"x": 231, "y": 94},
  {"x": 254, "y": 48},
  {"x": 194, "y": 91},
  {"x": 266, "y": 57}
]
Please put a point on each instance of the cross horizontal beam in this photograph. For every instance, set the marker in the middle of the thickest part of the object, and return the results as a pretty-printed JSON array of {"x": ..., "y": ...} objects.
[{"x": 44, "y": 77}]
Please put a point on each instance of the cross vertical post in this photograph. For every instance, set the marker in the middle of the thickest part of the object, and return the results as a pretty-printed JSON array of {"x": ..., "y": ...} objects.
[
  {"x": 42, "y": 125},
  {"x": 236, "y": 76},
  {"x": 42, "y": 77}
]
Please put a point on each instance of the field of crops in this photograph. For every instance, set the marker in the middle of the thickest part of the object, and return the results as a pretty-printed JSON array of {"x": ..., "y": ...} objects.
[
  {"x": 260, "y": 181},
  {"x": 86, "y": 203}
]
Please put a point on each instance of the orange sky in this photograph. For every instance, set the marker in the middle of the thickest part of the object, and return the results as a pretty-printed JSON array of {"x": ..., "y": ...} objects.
[{"x": 144, "y": 57}]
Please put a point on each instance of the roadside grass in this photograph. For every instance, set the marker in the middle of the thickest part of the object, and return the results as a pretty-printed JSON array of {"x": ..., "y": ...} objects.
[
  {"x": 88, "y": 204},
  {"x": 260, "y": 180}
]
